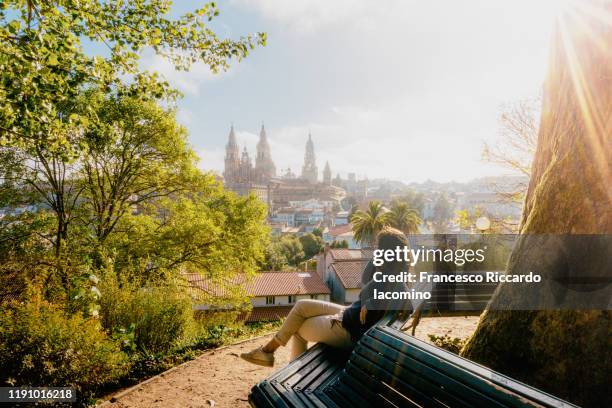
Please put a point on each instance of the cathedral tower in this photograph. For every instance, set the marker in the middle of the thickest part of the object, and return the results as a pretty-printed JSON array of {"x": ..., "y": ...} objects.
[
  {"x": 327, "y": 174},
  {"x": 231, "y": 174},
  {"x": 309, "y": 170},
  {"x": 246, "y": 168},
  {"x": 264, "y": 166}
]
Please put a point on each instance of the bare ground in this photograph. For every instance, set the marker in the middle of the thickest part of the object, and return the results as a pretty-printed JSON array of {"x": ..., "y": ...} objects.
[{"x": 220, "y": 378}]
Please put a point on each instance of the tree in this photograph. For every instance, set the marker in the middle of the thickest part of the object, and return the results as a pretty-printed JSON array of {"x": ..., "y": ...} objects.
[
  {"x": 519, "y": 134},
  {"x": 339, "y": 244},
  {"x": 47, "y": 172},
  {"x": 137, "y": 154},
  {"x": 367, "y": 224},
  {"x": 275, "y": 259},
  {"x": 312, "y": 245},
  {"x": 46, "y": 71},
  {"x": 565, "y": 352},
  {"x": 44, "y": 63},
  {"x": 218, "y": 234},
  {"x": 404, "y": 218},
  {"x": 292, "y": 249},
  {"x": 414, "y": 200},
  {"x": 317, "y": 232},
  {"x": 283, "y": 252}
]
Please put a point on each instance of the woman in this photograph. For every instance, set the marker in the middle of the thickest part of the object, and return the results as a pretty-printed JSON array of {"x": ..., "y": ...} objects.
[{"x": 333, "y": 324}]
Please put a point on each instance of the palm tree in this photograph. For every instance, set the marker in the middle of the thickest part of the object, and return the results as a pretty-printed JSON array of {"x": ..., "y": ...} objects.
[
  {"x": 404, "y": 218},
  {"x": 367, "y": 224}
]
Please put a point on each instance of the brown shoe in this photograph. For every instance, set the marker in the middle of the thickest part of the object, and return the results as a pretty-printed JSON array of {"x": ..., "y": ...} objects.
[{"x": 259, "y": 357}]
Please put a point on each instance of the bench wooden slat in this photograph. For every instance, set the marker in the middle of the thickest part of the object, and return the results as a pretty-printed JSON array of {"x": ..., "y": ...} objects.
[
  {"x": 388, "y": 368},
  {"x": 430, "y": 379},
  {"x": 511, "y": 392},
  {"x": 407, "y": 383},
  {"x": 357, "y": 375},
  {"x": 346, "y": 393}
]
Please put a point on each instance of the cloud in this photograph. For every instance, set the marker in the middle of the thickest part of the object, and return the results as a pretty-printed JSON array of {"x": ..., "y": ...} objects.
[
  {"x": 189, "y": 82},
  {"x": 309, "y": 15},
  {"x": 407, "y": 90}
]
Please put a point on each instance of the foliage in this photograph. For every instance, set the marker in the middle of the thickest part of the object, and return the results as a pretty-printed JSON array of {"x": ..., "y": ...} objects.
[
  {"x": 44, "y": 63},
  {"x": 311, "y": 244},
  {"x": 40, "y": 344},
  {"x": 220, "y": 234},
  {"x": 466, "y": 218},
  {"x": 414, "y": 200},
  {"x": 218, "y": 332},
  {"x": 100, "y": 183},
  {"x": 136, "y": 153},
  {"x": 284, "y": 251},
  {"x": 150, "y": 319},
  {"x": 339, "y": 244},
  {"x": 452, "y": 344},
  {"x": 274, "y": 257},
  {"x": 404, "y": 218},
  {"x": 317, "y": 231},
  {"x": 367, "y": 224}
]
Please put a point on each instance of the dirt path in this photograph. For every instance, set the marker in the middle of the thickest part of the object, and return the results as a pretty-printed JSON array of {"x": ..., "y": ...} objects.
[{"x": 220, "y": 378}]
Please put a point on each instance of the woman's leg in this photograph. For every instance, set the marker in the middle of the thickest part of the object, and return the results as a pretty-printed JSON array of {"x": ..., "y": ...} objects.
[
  {"x": 304, "y": 309},
  {"x": 320, "y": 329}
]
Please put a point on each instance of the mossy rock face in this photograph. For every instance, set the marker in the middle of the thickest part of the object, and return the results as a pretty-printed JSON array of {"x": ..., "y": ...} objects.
[{"x": 567, "y": 353}]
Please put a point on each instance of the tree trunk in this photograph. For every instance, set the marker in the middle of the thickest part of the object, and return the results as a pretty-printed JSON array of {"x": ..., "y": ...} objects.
[{"x": 564, "y": 352}]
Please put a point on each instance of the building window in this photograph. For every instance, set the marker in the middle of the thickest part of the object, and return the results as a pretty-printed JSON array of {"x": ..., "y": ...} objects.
[
  {"x": 291, "y": 299},
  {"x": 270, "y": 300},
  {"x": 315, "y": 297}
]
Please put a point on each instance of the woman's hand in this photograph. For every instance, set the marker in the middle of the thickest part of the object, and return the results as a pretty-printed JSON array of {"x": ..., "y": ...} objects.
[{"x": 362, "y": 314}]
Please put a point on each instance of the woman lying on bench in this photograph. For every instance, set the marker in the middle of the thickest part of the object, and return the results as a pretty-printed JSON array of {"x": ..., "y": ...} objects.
[{"x": 332, "y": 324}]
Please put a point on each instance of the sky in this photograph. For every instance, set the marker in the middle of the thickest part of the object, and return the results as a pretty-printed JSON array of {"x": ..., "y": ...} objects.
[{"x": 398, "y": 89}]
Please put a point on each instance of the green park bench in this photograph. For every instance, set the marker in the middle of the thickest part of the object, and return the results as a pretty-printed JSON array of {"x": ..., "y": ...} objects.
[{"x": 388, "y": 368}]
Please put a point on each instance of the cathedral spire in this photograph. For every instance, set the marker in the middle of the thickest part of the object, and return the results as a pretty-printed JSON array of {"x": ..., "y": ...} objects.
[
  {"x": 232, "y": 159},
  {"x": 327, "y": 175},
  {"x": 309, "y": 170},
  {"x": 264, "y": 166},
  {"x": 231, "y": 143}
]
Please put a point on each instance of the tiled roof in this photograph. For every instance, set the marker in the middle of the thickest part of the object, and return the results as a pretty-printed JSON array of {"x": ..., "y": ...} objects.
[
  {"x": 263, "y": 284},
  {"x": 265, "y": 314},
  {"x": 340, "y": 229},
  {"x": 343, "y": 254},
  {"x": 287, "y": 283},
  {"x": 215, "y": 289},
  {"x": 349, "y": 273}
]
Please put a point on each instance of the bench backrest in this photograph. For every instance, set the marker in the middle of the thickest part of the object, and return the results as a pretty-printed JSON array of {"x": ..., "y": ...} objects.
[{"x": 390, "y": 368}]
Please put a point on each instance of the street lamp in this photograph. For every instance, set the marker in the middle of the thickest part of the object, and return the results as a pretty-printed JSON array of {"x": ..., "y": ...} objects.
[{"x": 483, "y": 224}]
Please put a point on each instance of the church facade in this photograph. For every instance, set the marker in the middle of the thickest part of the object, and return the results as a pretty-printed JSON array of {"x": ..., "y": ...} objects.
[
  {"x": 243, "y": 177},
  {"x": 239, "y": 167}
]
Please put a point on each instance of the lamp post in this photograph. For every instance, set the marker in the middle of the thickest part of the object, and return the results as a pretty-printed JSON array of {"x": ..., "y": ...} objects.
[{"x": 483, "y": 224}]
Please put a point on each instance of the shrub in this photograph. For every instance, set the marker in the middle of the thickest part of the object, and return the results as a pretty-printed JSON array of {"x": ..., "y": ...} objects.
[
  {"x": 452, "y": 344},
  {"x": 41, "y": 345},
  {"x": 150, "y": 320}
]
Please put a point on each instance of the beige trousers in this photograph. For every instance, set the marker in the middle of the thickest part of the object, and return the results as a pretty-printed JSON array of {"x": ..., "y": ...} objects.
[{"x": 313, "y": 321}]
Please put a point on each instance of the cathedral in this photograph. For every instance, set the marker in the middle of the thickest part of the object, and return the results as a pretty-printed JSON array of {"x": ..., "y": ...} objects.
[
  {"x": 239, "y": 167},
  {"x": 242, "y": 177}
]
